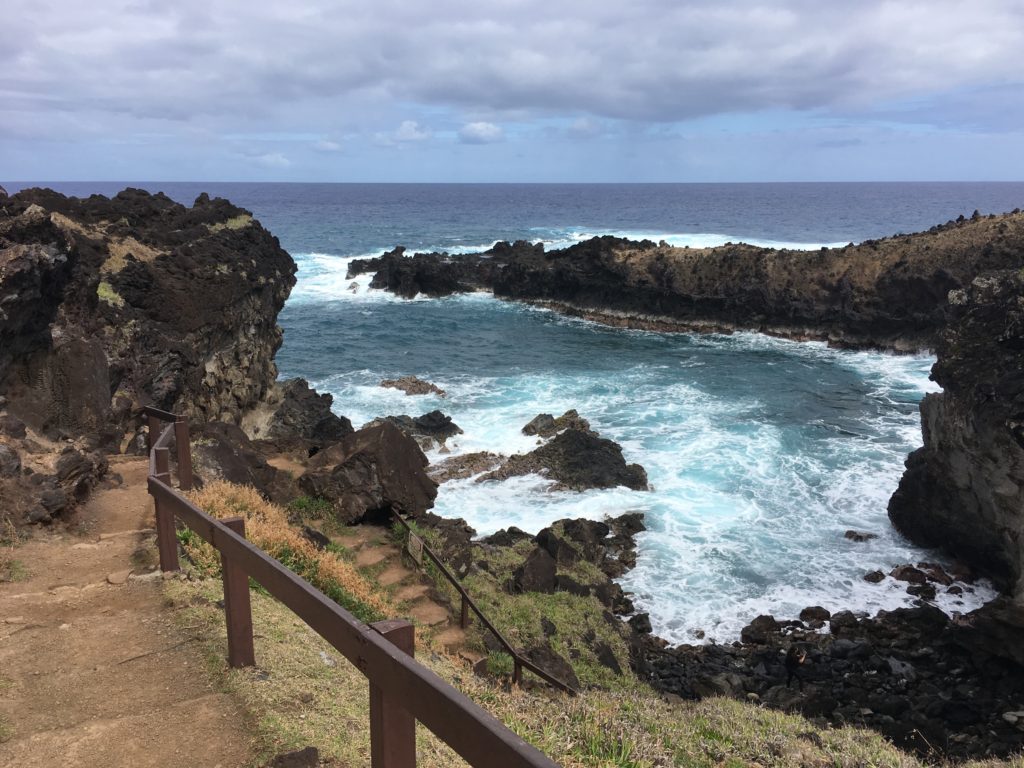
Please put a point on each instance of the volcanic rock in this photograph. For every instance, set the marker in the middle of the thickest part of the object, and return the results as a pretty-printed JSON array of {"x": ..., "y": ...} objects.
[
  {"x": 536, "y": 574},
  {"x": 135, "y": 299},
  {"x": 576, "y": 460},
  {"x": 413, "y": 386},
  {"x": 546, "y": 425},
  {"x": 224, "y": 452},
  {"x": 964, "y": 489},
  {"x": 294, "y": 411},
  {"x": 428, "y": 430},
  {"x": 370, "y": 474},
  {"x": 464, "y": 465}
]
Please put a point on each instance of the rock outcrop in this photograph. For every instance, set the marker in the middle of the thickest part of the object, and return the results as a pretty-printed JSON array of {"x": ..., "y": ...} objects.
[
  {"x": 575, "y": 460},
  {"x": 888, "y": 293},
  {"x": 429, "y": 430},
  {"x": 370, "y": 474},
  {"x": 964, "y": 489},
  {"x": 107, "y": 305}
]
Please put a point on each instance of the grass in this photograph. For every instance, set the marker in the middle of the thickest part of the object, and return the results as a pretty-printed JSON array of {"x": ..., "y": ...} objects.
[
  {"x": 266, "y": 525},
  {"x": 304, "y": 693}
]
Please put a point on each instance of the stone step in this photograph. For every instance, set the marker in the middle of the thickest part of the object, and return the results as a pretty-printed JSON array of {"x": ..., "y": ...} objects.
[
  {"x": 411, "y": 592},
  {"x": 394, "y": 574},
  {"x": 428, "y": 612},
  {"x": 367, "y": 558}
]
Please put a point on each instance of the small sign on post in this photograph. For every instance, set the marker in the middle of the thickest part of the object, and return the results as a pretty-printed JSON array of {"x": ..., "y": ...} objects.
[{"x": 415, "y": 548}]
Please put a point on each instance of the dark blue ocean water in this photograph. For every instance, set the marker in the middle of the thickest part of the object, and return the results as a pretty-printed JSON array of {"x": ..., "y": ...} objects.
[{"x": 761, "y": 452}]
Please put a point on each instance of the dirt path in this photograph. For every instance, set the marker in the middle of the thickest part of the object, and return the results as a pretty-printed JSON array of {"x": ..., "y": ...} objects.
[{"x": 93, "y": 671}]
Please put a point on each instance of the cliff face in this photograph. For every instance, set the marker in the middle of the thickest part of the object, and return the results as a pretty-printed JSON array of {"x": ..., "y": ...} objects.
[
  {"x": 107, "y": 305},
  {"x": 964, "y": 490},
  {"x": 888, "y": 294}
]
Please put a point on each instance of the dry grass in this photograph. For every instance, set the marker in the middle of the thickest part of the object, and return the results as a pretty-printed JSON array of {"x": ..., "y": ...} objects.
[{"x": 266, "y": 525}]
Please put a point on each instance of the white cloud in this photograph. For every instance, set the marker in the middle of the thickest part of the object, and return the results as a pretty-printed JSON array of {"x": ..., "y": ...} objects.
[
  {"x": 326, "y": 145},
  {"x": 410, "y": 130},
  {"x": 272, "y": 160},
  {"x": 480, "y": 133}
]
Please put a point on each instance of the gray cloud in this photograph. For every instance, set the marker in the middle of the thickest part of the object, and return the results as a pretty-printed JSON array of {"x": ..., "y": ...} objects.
[{"x": 651, "y": 60}]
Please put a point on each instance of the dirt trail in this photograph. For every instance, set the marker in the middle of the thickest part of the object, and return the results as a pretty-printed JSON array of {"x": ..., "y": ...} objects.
[{"x": 93, "y": 670}]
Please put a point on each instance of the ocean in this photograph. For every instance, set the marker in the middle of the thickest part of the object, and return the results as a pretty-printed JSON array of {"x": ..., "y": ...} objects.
[{"x": 761, "y": 452}]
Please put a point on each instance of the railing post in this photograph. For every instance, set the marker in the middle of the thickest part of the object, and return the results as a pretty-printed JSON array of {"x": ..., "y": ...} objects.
[
  {"x": 464, "y": 617},
  {"x": 181, "y": 439},
  {"x": 517, "y": 671},
  {"x": 237, "y": 606},
  {"x": 166, "y": 538},
  {"x": 152, "y": 431},
  {"x": 392, "y": 728}
]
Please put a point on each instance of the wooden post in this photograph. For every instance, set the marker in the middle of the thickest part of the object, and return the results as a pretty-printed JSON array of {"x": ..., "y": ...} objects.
[
  {"x": 166, "y": 538},
  {"x": 464, "y": 616},
  {"x": 392, "y": 728},
  {"x": 237, "y": 606},
  {"x": 181, "y": 439},
  {"x": 517, "y": 671},
  {"x": 153, "y": 432}
]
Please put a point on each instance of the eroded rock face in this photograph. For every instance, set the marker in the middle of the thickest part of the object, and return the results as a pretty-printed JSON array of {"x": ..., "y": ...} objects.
[
  {"x": 224, "y": 452},
  {"x": 294, "y": 412},
  {"x": 371, "y": 473},
  {"x": 964, "y": 489},
  {"x": 110, "y": 304}
]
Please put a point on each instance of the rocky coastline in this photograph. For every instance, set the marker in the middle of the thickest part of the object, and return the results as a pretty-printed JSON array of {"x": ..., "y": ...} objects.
[
  {"x": 109, "y": 305},
  {"x": 888, "y": 294}
]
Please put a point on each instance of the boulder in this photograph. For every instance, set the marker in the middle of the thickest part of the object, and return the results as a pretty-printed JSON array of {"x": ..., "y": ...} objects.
[
  {"x": 224, "y": 452},
  {"x": 370, "y": 474},
  {"x": 536, "y": 574},
  {"x": 860, "y": 536},
  {"x": 428, "y": 430},
  {"x": 815, "y": 613},
  {"x": 546, "y": 425},
  {"x": 545, "y": 657},
  {"x": 412, "y": 385},
  {"x": 10, "y": 461},
  {"x": 576, "y": 460},
  {"x": 759, "y": 630}
]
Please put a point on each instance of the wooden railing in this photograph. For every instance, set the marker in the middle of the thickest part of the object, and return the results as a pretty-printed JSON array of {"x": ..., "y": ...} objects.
[
  {"x": 519, "y": 662},
  {"x": 402, "y": 691}
]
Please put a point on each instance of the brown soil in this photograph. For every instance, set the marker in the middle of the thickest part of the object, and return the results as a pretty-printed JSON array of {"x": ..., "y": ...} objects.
[{"x": 93, "y": 670}]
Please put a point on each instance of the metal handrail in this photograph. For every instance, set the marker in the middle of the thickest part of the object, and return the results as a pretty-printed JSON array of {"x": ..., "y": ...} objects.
[
  {"x": 400, "y": 688},
  {"x": 518, "y": 660}
]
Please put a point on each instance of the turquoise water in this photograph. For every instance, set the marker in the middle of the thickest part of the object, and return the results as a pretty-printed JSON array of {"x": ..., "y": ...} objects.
[{"x": 761, "y": 452}]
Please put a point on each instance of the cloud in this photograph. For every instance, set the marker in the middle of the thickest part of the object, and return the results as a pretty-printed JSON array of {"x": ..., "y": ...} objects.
[
  {"x": 326, "y": 145},
  {"x": 410, "y": 130},
  {"x": 481, "y": 133},
  {"x": 654, "y": 60},
  {"x": 272, "y": 160}
]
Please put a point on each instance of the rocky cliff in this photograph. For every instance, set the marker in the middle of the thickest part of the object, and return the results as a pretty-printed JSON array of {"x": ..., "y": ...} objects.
[
  {"x": 964, "y": 490},
  {"x": 888, "y": 293},
  {"x": 107, "y": 305}
]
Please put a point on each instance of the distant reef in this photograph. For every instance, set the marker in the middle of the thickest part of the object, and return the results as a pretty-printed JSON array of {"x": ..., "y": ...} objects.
[{"x": 886, "y": 294}]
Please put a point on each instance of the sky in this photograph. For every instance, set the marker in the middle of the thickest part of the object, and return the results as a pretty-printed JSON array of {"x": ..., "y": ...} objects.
[{"x": 512, "y": 90}]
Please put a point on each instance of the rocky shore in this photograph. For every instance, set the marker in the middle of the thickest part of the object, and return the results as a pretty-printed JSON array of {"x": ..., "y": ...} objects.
[
  {"x": 109, "y": 305},
  {"x": 886, "y": 294}
]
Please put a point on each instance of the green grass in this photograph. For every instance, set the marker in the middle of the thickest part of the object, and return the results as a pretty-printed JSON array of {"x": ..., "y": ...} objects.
[{"x": 311, "y": 508}]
